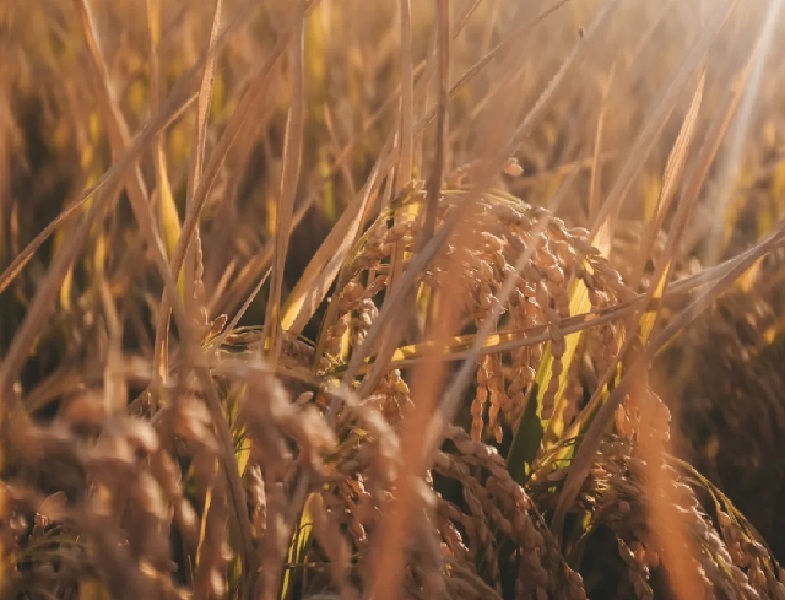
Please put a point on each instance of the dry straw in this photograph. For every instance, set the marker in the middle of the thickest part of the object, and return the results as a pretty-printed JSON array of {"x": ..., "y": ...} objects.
[{"x": 356, "y": 300}]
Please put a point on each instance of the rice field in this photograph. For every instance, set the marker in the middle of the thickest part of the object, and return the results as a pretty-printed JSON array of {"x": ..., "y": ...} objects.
[{"x": 377, "y": 300}]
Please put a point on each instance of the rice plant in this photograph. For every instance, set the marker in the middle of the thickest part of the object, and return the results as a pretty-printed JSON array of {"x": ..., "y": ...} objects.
[{"x": 315, "y": 299}]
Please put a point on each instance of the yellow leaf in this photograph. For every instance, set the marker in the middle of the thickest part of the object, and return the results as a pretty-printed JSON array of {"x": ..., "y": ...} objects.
[
  {"x": 170, "y": 219},
  {"x": 579, "y": 304},
  {"x": 92, "y": 589},
  {"x": 300, "y": 540}
]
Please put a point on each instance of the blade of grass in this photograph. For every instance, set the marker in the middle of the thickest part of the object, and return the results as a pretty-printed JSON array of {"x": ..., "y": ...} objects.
[
  {"x": 595, "y": 180},
  {"x": 179, "y": 101},
  {"x": 119, "y": 138},
  {"x": 730, "y": 269},
  {"x": 386, "y": 563},
  {"x": 644, "y": 141},
  {"x": 319, "y": 274},
  {"x": 105, "y": 190},
  {"x": 554, "y": 427},
  {"x": 695, "y": 179},
  {"x": 292, "y": 159},
  {"x": 249, "y": 275},
  {"x": 434, "y": 185},
  {"x": 673, "y": 169},
  {"x": 193, "y": 268},
  {"x": 180, "y": 98},
  {"x": 44, "y": 299},
  {"x": 406, "y": 133},
  {"x": 301, "y": 539},
  {"x": 259, "y": 84},
  {"x": 585, "y": 452},
  {"x": 532, "y": 429},
  {"x": 170, "y": 220},
  {"x": 593, "y": 436}
]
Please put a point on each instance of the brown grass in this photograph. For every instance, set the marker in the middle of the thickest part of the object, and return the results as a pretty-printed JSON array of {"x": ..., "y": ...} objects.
[{"x": 356, "y": 299}]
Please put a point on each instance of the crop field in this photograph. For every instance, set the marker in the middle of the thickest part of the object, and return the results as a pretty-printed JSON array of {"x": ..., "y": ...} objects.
[{"x": 386, "y": 300}]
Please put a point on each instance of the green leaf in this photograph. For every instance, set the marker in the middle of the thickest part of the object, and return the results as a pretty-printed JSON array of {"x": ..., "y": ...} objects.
[
  {"x": 301, "y": 540},
  {"x": 533, "y": 429},
  {"x": 579, "y": 304},
  {"x": 526, "y": 441}
]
